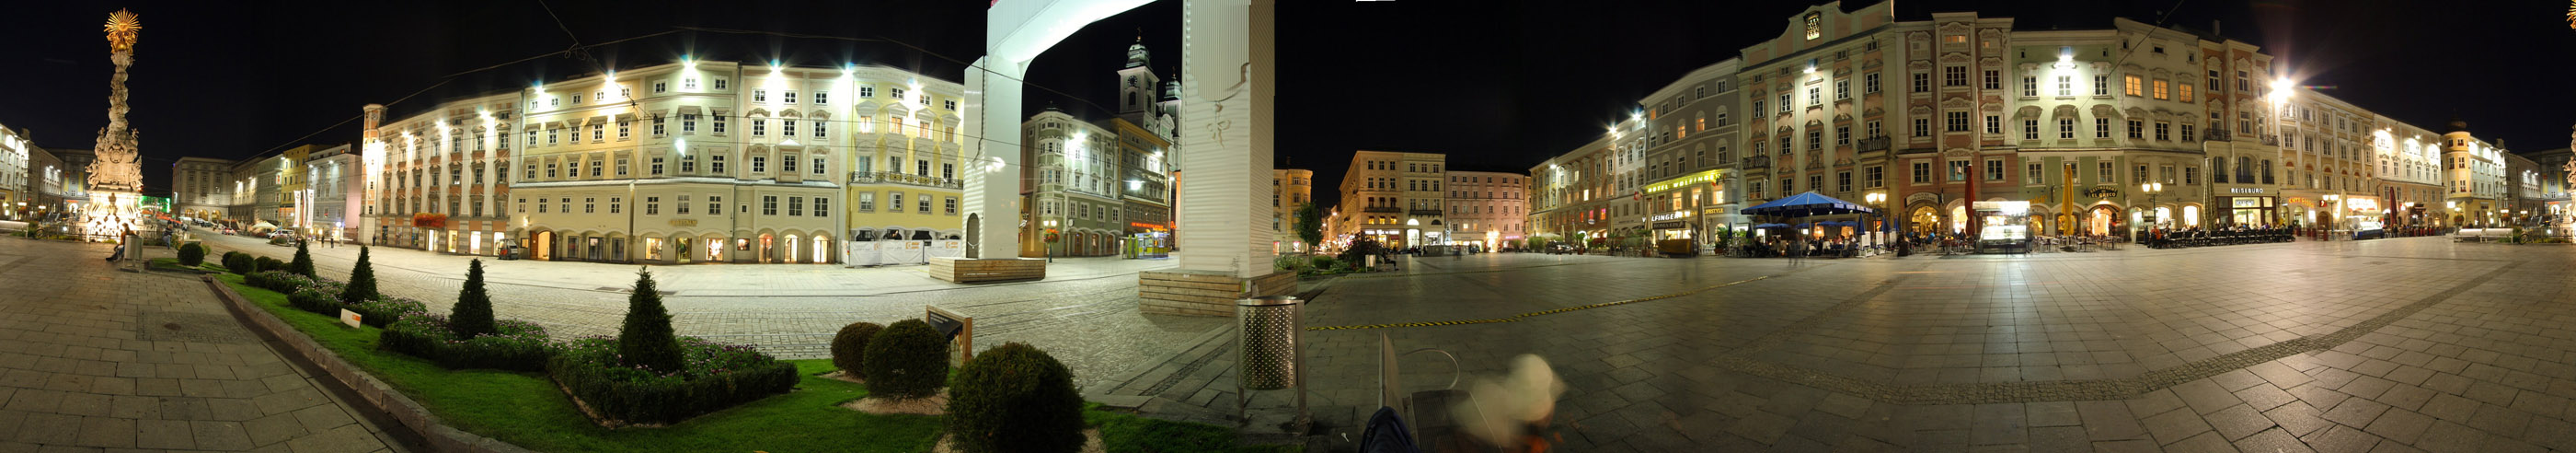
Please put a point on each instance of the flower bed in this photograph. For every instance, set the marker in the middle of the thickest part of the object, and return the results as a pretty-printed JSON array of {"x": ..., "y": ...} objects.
[
  {"x": 517, "y": 345},
  {"x": 715, "y": 376},
  {"x": 323, "y": 297}
]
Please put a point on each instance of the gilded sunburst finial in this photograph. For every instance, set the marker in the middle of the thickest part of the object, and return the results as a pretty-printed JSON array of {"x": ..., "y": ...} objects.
[{"x": 122, "y": 28}]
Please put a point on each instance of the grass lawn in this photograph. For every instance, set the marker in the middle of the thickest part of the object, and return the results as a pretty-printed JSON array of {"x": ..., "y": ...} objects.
[{"x": 526, "y": 409}]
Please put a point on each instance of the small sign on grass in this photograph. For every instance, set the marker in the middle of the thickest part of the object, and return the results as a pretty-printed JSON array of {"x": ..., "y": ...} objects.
[{"x": 350, "y": 317}]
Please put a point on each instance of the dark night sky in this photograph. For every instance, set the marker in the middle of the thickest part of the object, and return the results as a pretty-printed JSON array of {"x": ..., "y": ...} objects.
[{"x": 1495, "y": 85}]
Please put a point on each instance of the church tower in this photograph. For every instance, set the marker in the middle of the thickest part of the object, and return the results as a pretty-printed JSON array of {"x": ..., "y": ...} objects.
[{"x": 1138, "y": 89}]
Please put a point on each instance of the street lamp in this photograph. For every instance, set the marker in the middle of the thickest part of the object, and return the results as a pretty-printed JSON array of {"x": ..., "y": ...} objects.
[
  {"x": 2333, "y": 214},
  {"x": 2152, "y": 189},
  {"x": 1877, "y": 200}
]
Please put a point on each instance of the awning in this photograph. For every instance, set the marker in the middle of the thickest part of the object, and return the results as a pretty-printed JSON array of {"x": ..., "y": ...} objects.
[{"x": 1807, "y": 204}]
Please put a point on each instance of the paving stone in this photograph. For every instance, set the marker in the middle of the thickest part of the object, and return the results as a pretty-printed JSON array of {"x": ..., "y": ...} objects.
[
  {"x": 2236, "y": 422},
  {"x": 2271, "y": 441}
]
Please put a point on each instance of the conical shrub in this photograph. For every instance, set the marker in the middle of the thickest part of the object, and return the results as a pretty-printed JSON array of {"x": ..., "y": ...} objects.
[
  {"x": 303, "y": 264},
  {"x": 362, "y": 281},
  {"x": 646, "y": 340},
  {"x": 473, "y": 312}
]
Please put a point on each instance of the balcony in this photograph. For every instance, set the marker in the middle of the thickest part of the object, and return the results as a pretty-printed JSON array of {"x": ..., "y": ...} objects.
[
  {"x": 1757, "y": 162},
  {"x": 2215, "y": 135},
  {"x": 1874, "y": 144},
  {"x": 902, "y": 178},
  {"x": 1383, "y": 209},
  {"x": 1426, "y": 212}
]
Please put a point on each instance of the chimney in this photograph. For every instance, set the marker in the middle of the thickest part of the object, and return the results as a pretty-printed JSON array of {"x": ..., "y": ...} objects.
[{"x": 2213, "y": 29}]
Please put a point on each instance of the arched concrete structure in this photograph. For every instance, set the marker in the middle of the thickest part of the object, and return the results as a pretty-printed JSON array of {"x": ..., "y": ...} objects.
[{"x": 1015, "y": 32}]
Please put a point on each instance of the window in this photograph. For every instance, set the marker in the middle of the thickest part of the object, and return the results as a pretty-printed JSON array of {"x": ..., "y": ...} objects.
[
  {"x": 1869, "y": 83},
  {"x": 769, "y": 205},
  {"x": 821, "y": 98},
  {"x": 1843, "y": 181},
  {"x": 1842, "y": 88},
  {"x": 1922, "y": 172},
  {"x": 951, "y": 104},
  {"x": 598, "y": 133},
  {"x": 1815, "y": 139},
  {"x": 589, "y": 205},
  {"x": 2129, "y": 85},
  {"x": 1922, "y": 127},
  {"x": 615, "y": 205},
  {"x": 621, "y": 166},
  {"x": 785, "y": 128},
  {"x": 623, "y": 128},
  {"x": 1994, "y": 79},
  {"x": 595, "y": 165},
  {"x": 1872, "y": 129},
  {"x": 2190, "y": 175},
  {"x": 1922, "y": 82},
  {"x": 1994, "y": 124},
  {"x": 923, "y": 202},
  {"x": 867, "y": 200},
  {"x": 1955, "y": 121},
  {"x": 2065, "y": 85},
  {"x": 1757, "y": 109},
  {"x": 2102, "y": 173},
  {"x": 2030, "y": 129},
  {"x": 1815, "y": 96},
  {"x": 657, "y": 126},
  {"x": 1842, "y": 135},
  {"x": 795, "y": 206},
  {"x": 822, "y": 207},
  {"x": 2030, "y": 86},
  {"x": 896, "y": 93},
  {"x": 523, "y": 206},
  {"x": 948, "y": 170},
  {"x": 576, "y": 98},
  {"x": 951, "y": 202},
  {"x": 2101, "y": 85},
  {"x": 2160, "y": 89},
  {"x": 2101, "y": 128},
  {"x": 2161, "y": 129},
  {"x": 1784, "y": 102},
  {"x": 688, "y": 123},
  {"x": 657, "y": 165},
  {"x": 818, "y": 128},
  {"x": 759, "y": 127},
  {"x": 759, "y": 95},
  {"x": 787, "y": 164},
  {"x": 2032, "y": 175},
  {"x": 2186, "y": 131},
  {"x": 690, "y": 83},
  {"x": 759, "y": 164},
  {"x": 1954, "y": 76},
  {"x": 2141, "y": 176},
  {"x": 551, "y": 138},
  {"x": 1959, "y": 170},
  {"x": 1994, "y": 169},
  {"x": 2137, "y": 128},
  {"x": 2241, "y": 84},
  {"x": 716, "y": 163},
  {"x": 921, "y": 167},
  {"x": 818, "y": 165},
  {"x": 2183, "y": 89},
  {"x": 720, "y": 124},
  {"x": 787, "y": 97},
  {"x": 1875, "y": 176}
]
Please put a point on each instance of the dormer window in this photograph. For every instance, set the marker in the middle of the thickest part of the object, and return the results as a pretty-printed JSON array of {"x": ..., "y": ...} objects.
[{"x": 1815, "y": 25}]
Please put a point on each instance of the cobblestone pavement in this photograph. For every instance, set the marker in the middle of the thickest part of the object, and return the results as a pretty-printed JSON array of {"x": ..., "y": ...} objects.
[
  {"x": 2387, "y": 345},
  {"x": 1084, "y": 313},
  {"x": 93, "y": 358}
]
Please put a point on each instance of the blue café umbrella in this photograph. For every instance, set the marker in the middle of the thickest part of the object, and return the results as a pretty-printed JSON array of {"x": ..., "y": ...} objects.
[{"x": 1806, "y": 205}]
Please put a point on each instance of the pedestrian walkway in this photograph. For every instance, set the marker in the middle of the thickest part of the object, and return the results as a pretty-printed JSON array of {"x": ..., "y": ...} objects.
[
  {"x": 103, "y": 359},
  {"x": 2384, "y": 345}
]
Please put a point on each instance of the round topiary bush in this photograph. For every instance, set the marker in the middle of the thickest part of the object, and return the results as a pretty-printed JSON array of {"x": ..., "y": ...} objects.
[
  {"x": 908, "y": 359},
  {"x": 192, "y": 254},
  {"x": 1015, "y": 398},
  {"x": 267, "y": 264},
  {"x": 850, "y": 347},
  {"x": 238, "y": 263}
]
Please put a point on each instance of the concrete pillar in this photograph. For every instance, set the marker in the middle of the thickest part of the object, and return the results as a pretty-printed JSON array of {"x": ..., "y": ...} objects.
[
  {"x": 1228, "y": 57},
  {"x": 993, "y": 176}
]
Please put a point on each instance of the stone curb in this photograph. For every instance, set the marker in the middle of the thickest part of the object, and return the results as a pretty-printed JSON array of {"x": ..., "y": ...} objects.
[{"x": 375, "y": 393}]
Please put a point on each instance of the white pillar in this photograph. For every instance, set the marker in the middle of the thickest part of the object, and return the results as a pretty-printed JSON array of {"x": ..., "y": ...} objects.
[
  {"x": 993, "y": 137},
  {"x": 1227, "y": 61}
]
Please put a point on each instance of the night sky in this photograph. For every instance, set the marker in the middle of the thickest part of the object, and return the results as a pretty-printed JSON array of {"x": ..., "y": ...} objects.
[{"x": 1495, "y": 85}]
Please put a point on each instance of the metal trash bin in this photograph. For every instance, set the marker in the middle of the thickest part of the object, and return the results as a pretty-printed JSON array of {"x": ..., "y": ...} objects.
[
  {"x": 1268, "y": 332},
  {"x": 1270, "y": 336}
]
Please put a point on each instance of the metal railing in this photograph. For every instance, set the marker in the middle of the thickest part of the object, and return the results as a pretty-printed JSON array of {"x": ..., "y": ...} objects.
[
  {"x": 902, "y": 178},
  {"x": 1425, "y": 212},
  {"x": 1384, "y": 209}
]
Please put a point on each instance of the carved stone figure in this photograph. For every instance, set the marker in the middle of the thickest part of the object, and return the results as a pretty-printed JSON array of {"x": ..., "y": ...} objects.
[{"x": 118, "y": 167}]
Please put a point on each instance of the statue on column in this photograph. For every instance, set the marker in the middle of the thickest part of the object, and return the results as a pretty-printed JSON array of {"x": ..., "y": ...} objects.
[{"x": 116, "y": 177}]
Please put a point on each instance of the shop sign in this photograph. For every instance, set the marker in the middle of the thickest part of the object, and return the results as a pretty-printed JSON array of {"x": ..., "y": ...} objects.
[
  {"x": 1149, "y": 226},
  {"x": 2246, "y": 190},
  {"x": 2243, "y": 202},
  {"x": 1671, "y": 225},
  {"x": 1675, "y": 215},
  {"x": 1710, "y": 177},
  {"x": 1713, "y": 211},
  {"x": 2102, "y": 192},
  {"x": 684, "y": 222}
]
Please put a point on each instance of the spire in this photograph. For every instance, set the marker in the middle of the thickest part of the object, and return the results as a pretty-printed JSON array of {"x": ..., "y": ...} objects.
[{"x": 1136, "y": 55}]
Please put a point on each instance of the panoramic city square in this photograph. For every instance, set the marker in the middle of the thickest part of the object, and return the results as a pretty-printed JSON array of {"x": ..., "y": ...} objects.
[{"x": 1042, "y": 226}]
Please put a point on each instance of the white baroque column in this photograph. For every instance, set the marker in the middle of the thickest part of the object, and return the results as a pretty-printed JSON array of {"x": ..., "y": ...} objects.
[
  {"x": 1227, "y": 61},
  {"x": 993, "y": 150}
]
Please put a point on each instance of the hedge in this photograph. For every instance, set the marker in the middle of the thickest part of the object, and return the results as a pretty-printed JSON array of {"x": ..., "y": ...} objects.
[
  {"x": 715, "y": 376},
  {"x": 516, "y": 345}
]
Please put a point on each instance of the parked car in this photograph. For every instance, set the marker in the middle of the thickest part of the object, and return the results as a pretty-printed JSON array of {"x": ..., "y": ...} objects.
[{"x": 512, "y": 252}]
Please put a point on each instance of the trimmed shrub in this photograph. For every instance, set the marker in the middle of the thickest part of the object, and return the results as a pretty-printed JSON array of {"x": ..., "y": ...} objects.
[
  {"x": 238, "y": 263},
  {"x": 646, "y": 341},
  {"x": 724, "y": 376},
  {"x": 314, "y": 300},
  {"x": 192, "y": 254},
  {"x": 362, "y": 281},
  {"x": 1324, "y": 261},
  {"x": 386, "y": 311},
  {"x": 515, "y": 345},
  {"x": 264, "y": 264},
  {"x": 850, "y": 347},
  {"x": 908, "y": 359},
  {"x": 473, "y": 311},
  {"x": 1015, "y": 398},
  {"x": 303, "y": 264},
  {"x": 279, "y": 281}
]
